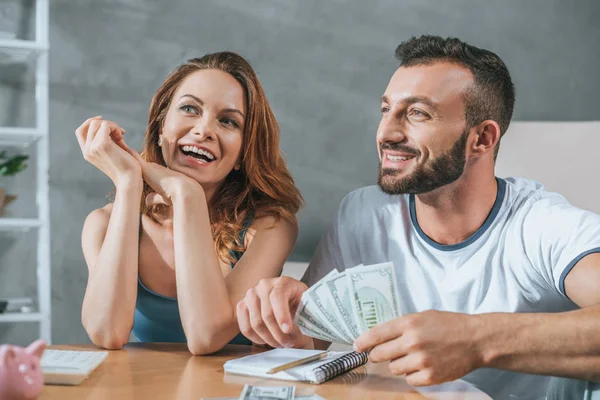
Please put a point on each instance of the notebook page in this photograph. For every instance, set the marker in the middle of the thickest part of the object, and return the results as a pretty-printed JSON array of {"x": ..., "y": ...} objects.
[
  {"x": 263, "y": 362},
  {"x": 298, "y": 373}
]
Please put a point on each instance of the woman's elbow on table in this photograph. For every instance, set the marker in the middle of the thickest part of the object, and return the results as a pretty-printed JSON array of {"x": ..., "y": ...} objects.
[
  {"x": 109, "y": 342},
  {"x": 206, "y": 344},
  {"x": 208, "y": 335},
  {"x": 113, "y": 344},
  {"x": 203, "y": 348},
  {"x": 208, "y": 340},
  {"x": 108, "y": 339}
]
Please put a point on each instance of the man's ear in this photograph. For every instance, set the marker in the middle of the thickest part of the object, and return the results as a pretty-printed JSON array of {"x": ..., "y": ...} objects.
[{"x": 488, "y": 136}]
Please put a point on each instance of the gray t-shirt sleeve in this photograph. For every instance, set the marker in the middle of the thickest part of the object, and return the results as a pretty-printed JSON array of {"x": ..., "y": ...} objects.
[
  {"x": 557, "y": 235},
  {"x": 327, "y": 256},
  {"x": 337, "y": 248},
  {"x": 341, "y": 247}
]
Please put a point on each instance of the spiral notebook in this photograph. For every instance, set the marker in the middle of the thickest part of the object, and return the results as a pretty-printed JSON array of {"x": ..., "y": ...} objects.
[{"x": 334, "y": 364}]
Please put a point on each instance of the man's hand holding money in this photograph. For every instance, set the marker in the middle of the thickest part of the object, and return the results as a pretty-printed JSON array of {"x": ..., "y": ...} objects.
[
  {"x": 265, "y": 314},
  {"x": 429, "y": 347}
]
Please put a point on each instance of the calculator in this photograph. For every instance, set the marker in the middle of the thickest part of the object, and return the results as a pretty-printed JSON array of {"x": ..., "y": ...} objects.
[{"x": 69, "y": 367}]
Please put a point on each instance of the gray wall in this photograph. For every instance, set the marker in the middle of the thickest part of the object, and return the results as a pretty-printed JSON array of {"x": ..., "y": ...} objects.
[{"x": 323, "y": 65}]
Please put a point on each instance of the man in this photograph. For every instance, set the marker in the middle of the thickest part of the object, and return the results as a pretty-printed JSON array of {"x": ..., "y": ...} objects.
[{"x": 491, "y": 272}]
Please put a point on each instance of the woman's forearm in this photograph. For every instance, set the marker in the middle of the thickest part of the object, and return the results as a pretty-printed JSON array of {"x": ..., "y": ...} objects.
[
  {"x": 204, "y": 305},
  {"x": 110, "y": 297}
]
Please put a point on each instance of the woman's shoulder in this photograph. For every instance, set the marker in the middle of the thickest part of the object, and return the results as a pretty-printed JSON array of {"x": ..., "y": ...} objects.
[
  {"x": 102, "y": 212},
  {"x": 98, "y": 218},
  {"x": 272, "y": 225},
  {"x": 266, "y": 233},
  {"x": 273, "y": 222}
]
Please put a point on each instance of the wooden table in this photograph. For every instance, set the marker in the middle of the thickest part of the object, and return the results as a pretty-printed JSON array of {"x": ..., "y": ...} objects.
[{"x": 169, "y": 371}]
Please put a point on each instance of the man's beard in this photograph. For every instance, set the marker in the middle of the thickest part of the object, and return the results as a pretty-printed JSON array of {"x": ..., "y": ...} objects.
[{"x": 441, "y": 171}]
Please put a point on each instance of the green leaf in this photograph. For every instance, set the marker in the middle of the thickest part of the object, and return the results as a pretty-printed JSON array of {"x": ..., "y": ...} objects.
[{"x": 12, "y": 165}]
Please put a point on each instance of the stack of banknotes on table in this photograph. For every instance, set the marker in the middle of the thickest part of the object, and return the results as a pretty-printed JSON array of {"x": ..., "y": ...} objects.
[
  {"x": 343, "y": 305},
  {"x": 251, "y": 392}
]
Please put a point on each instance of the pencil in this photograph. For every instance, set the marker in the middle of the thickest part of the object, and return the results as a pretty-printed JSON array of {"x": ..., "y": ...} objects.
[{"x": 295, "y": 363}]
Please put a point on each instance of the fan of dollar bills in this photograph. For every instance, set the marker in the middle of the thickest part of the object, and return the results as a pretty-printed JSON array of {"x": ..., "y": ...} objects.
[{"x": 343, "y": 305}]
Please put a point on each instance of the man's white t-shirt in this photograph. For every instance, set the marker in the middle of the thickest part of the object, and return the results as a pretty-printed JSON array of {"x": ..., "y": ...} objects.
[{"x": 516, "y": 262}]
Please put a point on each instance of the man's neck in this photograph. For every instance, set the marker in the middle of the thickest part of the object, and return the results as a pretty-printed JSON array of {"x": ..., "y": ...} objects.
[{"x": 453, "y": 213}]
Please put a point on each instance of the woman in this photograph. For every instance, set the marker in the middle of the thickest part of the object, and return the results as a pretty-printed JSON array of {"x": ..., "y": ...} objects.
[{"x": 217, "y": 211}]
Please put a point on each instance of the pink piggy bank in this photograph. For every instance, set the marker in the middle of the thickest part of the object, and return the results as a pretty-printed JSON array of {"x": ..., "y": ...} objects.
[{"x": 20, "y": 373}]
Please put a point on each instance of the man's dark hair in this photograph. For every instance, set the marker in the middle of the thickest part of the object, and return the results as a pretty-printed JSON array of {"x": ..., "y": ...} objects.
[{"x": 492, "y": 95}]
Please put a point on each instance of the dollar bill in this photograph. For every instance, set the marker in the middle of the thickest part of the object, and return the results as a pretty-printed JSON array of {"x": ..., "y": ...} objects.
[
  {"x": 251, "y": 392},
  {"x": 307, "y": 397},
  {"x": 339, "y": 290},
  {"x": 321, "y": 304},
  {"x": 308, "y": 330},
  {"x": 374, "y": 294},
  {"x": 309, "y": 322}
]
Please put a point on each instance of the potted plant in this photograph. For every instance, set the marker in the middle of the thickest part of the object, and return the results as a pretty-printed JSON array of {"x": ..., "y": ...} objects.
[{"x": 10, "y": 166}]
